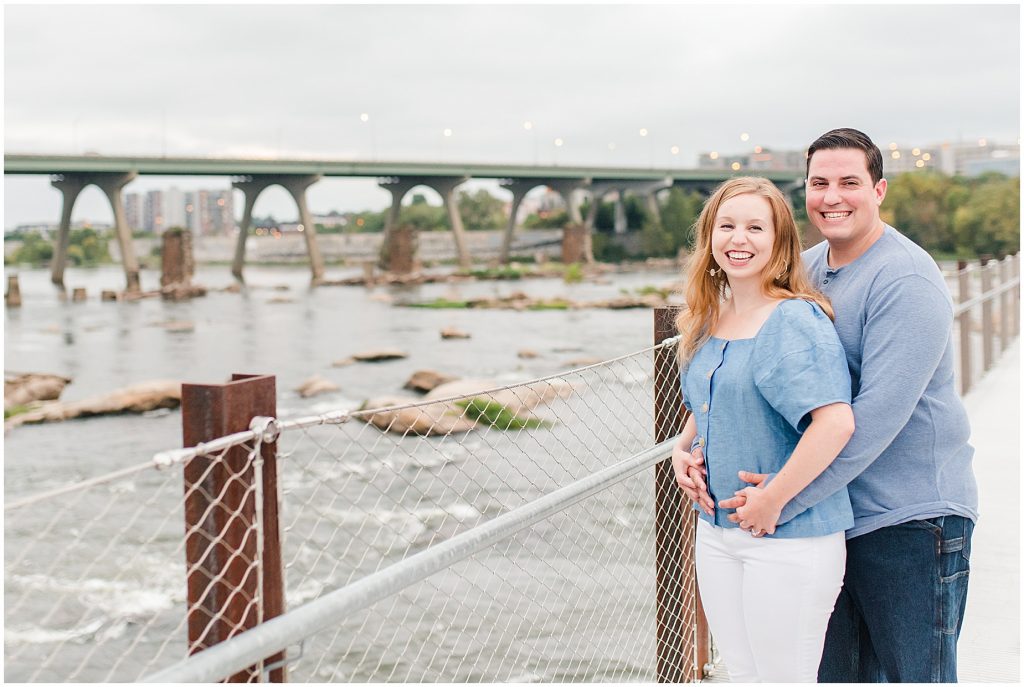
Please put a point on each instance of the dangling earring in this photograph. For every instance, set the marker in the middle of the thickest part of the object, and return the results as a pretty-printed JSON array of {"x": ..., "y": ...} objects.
[
  {"x": 713, "y": 271},
  {"x": 785, "y": 266}
]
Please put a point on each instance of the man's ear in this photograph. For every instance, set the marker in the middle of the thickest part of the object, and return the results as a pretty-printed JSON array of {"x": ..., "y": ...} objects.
[{"x": 880, "y": 188}]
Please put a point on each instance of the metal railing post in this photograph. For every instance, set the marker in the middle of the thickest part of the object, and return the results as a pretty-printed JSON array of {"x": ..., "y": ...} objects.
[
  {"x": 1004, "y": 304},
  {"x": 987, "y": 325},
  {"x": 964, "y": 320},
  {"x": 1015, "y": 304},
  {"x": 222, "y": 522},
  {"x": 682, "y": 637}
]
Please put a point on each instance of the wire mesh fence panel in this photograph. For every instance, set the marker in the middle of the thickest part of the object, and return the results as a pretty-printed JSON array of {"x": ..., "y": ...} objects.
[
  {"x": 570, "y": 599},
  {"x": 366, "y": 493},
  {"x": 98, "y": 587}
]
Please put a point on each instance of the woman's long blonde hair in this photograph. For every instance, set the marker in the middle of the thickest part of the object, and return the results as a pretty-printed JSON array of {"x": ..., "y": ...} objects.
[{"x": 783, "y": 277}]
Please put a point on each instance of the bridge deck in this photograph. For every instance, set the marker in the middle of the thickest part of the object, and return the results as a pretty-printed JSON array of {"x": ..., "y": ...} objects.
[{"x": 989, "y": 649}]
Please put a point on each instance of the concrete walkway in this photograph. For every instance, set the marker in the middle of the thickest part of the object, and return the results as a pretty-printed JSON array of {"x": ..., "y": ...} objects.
[{"x": 989, "y": 648}]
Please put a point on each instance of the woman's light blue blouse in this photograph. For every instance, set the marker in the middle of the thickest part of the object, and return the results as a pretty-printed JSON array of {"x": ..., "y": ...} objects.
[{"x": 752, "y": 398}]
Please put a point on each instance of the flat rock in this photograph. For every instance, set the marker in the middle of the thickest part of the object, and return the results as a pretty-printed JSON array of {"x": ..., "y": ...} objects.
[
  {"x": 281, "y": 299},
  {"x": 379, "y": 355},
  {"x": 453, "y": 333},
  {"x": 177, "y": 325},
  {"x": 431, "y": 419},
  {"x": 22, "y": 389},
  {"x": 316, "y": 385},
  {"x": 343, "y": 362},
  {"x": 527, "y": 353},
  {"x": 517, "y": 400},
  {"x": 138, "y": 398},
  {"x": 425, "y": 380}
]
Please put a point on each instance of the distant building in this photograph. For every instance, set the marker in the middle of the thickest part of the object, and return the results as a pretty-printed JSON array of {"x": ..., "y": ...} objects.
[
  {"x": 209, "y": 213},
  {"x": 952, "y": 158},
  {"x": 174, "y": 208},
  {"x": 759, "y": 159},
  {"x": 153, "y": 212},
  {"x": 133, "y": 211}
]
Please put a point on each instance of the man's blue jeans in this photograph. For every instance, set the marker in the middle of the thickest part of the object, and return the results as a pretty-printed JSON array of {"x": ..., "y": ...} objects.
[{"x": 898, "y": 616}]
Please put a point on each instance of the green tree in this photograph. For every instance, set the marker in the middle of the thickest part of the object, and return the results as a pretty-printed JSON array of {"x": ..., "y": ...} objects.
[
  {"x": 35, "y": 249},
  {"x": 547, "y": 220},
  {"x": 678, "y": 216},
  {"x": 919, "y": 205},
  {"x": 424, "y": 217},
  {"x": 989, "y": 221},
  {"x": 481, "y": 211}
]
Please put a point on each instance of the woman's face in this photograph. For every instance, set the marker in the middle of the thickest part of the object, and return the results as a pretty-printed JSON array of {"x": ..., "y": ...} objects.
[{"x": 743, "y": 237}]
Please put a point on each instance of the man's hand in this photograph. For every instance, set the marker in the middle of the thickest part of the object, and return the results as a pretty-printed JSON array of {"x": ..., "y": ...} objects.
[
  {"x": 740, "y": 498},
  {"x": 690, "y": 473}
]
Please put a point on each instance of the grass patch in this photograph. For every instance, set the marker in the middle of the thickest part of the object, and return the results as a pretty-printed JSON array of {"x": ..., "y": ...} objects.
[
  {"x": 439, "y": 303},
  {"x": 573, "y": 273},
  {"x": 496, "y": 273},
  {"x": 497, "y": 415},
  {"x": 556, "y": 304},
  {"x": 15, "y": 410}
]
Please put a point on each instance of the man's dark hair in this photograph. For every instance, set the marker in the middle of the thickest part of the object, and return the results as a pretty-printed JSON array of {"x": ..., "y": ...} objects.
[{"x": 838, "y": 139}]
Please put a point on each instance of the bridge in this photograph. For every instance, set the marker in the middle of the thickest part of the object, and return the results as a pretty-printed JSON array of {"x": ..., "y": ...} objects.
[{"x": 72, "y": 173}]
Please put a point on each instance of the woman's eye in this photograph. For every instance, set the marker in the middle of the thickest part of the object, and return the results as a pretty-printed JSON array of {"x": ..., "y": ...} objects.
[{"x": 756, "y": 228}]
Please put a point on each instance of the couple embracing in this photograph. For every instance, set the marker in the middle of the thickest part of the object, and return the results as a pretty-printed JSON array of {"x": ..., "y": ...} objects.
[{"x": 827, "y": 449}]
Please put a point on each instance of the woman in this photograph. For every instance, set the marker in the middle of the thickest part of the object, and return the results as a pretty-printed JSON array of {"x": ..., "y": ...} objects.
[{"x": 766, "y": 381}]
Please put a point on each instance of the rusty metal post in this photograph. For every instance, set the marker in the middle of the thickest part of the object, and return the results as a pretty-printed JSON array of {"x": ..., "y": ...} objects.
[
  {"x": 1004, "y": 304},
  {"x": 964, "y": 321},
  {"x": 988, "y": 328},
  {"x": 674, "y": 527},
  {"x": 221, "y": 525}
]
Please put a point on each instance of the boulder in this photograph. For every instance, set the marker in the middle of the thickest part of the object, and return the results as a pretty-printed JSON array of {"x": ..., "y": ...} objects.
[
  {"x": 343, "y": 362},
  {"x": 379, "y": 355},
  {"x": 138, "y": 398},
  {"x": 518, "y": 400},
  {"x": 22, "y": 389},
  {"x": 425, "y": 380},
  {"x": 453, "y": 333},
  {"x": 432, "y": 419},
  {"x": 316, "y": 385},
  {"x": 583, "y": 361}
]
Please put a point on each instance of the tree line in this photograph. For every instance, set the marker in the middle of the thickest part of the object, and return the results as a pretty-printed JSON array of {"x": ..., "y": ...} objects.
[{"x": 950, "y": 217}]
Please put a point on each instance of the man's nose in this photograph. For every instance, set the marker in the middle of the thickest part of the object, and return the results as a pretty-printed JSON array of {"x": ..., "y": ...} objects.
[{"x": 832, "y": 195}]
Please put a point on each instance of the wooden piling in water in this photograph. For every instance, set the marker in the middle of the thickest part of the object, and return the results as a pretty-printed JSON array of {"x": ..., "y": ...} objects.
[
  {"x": 221, "y": 520},
  {"x": 13, "y": 296}
]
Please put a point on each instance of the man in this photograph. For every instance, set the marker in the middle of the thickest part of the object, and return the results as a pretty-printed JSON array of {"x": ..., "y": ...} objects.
[{"x": 908, "y": 465}]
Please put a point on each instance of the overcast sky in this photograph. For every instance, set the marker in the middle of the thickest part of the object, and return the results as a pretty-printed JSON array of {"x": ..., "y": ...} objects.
[{"x": 262, "y": 80}]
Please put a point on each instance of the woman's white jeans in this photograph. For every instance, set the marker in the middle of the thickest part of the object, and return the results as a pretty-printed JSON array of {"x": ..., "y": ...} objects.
[{"x": 768, "y": 600}]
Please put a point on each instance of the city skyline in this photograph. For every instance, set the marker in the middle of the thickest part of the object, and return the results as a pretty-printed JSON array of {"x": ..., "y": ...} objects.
[{"x": 388, "y": 82}]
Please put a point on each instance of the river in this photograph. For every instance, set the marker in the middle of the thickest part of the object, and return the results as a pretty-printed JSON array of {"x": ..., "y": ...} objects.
[{"x": 278, "y": 325}]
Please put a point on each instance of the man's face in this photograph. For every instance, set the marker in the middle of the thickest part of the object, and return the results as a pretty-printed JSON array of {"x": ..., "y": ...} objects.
[{"x": 841, "y": 200}]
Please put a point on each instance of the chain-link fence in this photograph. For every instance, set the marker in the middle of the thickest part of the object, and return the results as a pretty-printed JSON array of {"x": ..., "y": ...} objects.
[{"x": 597, "y": 586}]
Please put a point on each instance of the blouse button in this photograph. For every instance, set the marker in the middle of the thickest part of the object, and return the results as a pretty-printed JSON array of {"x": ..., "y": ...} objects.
[
  {"x": 704, "y": 408},
  {"x": 700, "y": 442},
  {"x": 710, "y": 373}
]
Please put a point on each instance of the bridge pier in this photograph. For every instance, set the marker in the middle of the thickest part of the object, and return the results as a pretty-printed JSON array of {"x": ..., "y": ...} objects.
[
  {"x": 446, "y": 187},
  {"x": 519, "y": 188},
  {"x": 251, "y": 187},
  {"x": 621, "y": 225},
  {"x": 597, "y": 193},
  {"x": 71, "y": 185},
  {"x": 568, "y": 188},
  {"x": 397, "y": 187}
]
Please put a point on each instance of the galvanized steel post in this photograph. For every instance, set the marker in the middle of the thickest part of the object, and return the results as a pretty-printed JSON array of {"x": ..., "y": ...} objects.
[
  {"x": 221, "y": 522},
  {"x": 988, "y": 329}
]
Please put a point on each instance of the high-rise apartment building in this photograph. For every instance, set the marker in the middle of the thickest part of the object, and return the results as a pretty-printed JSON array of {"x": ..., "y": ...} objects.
[
  {"x": 153, "y": 212},
  {"x": 133, "y": 211},
  {"x": 174, "y": 208}
]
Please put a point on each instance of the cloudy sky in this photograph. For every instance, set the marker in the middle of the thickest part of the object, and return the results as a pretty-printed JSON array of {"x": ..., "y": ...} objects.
[{"x": 264, "y": 80}]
